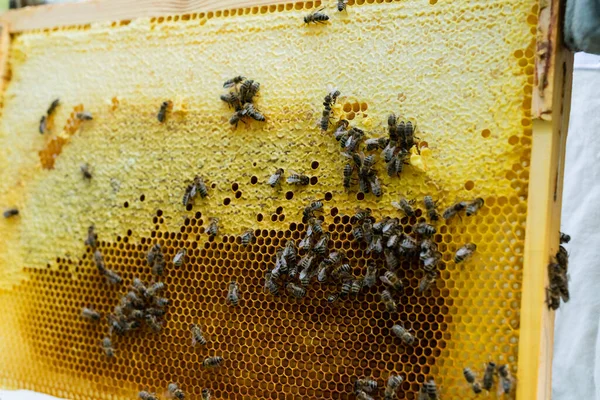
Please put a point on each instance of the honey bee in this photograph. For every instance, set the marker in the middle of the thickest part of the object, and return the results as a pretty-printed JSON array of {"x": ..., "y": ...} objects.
[
  {"x": 332, "y": 298},
  {"x": 248, "y": 90},
  {"x": 362, "y": 395},
  {"x": 405, "y": 206},
  {"x": 247, "y": 237},
  {"x": 253, "y": 113},
  {"x": 213, "y": 228},
  {"x": 211, "y": 362},
  {"x": 43, "y": 126},
  {"x": 454, "y": 209},
  {"x": 232, "y": 99},
  {"x": 370, "y": 278},
  {"x": 356, "y": 286},
  {"x": 197, "y": 336},
  {"x": 99, "y": 261},
  {"x": 158, "y": 268},
  {"x": 431, "y": 210},
  {"x": 376, "y": 143},
  {"x": 112, "y": 277},
  {"x": 315, "y": 225},
  {"x": 564, "y": 238},
  {"x": 393, "y": 383},
  {"x": 157, "y": 312},
  {"x": 430, "y": 389},
  {"x": 488, "y": 376},
  {"x": 346, "y": 288},
  {"x": 358, "y": 233},
  {"x": 474, "y": 206},
  {"x": 369, "y": 385},
  {"x": 322, "y": 272},
  {"x": 175, "y": 392},
  {"x": 134, "y": 300},
  {"x": 298, "y": 179},
  {"x": 306, "y": 243},
  {"x": 316, "y": 17},
  {"x": 464, "y": 252},
  {"x": 341, "y": 5},
  {"x": 388, "y": 301},
  {"x": 326, "y": 120},
  {"x": 427, "y": 281},
  {"x": 309, "y": 210},
  {"x": 179, "y": 258},
  {"x": 295, "y": 290},
  {"x": 200, "y": 186},
  {"x": 53, "y": 107},
  {"x": 143, "y": 395},
  {"x": 344, "y": 271},
  {"x": 11, "y": 212},
  {"x": 275, "y": 178},
  {"x": 107, "y": 347},
  {"x": 161, "y": 301},
  {"x": 376, "y": 245},
  {"x": 153, "y": 323},
  {"x": 90, "y": 314},
  {"x": 233, "y": 297},
  {"x": 151, "y": 256},
  {"x": 162, "y": 113},
  {"x": 391, "y": 260},
  {"x": 205, "y": 394},
  {"x": 92, "y": 237},
  {"x": 155, "y": 288},
  {"x": 270, "y": 285},
  {"x": 237, "y": 117},
  {"x": 321, "y": 245},
  {"x": 408, "y": 245},
  {"x": 289, "y": 251},
  {"x": 505, "y": 378},
  {"x": 85, "y": 171},
  {"x": 367, "y": 227},
  {"x": 84, "y": 116},
  {"x": 403, "y": 335},
  {"x": 361, "y": 214},
  {"x": 424, "y": 229},
  {"x": 375, "y": 185},
  {"x": 233, "y": 81},
  {"x": 471, "y": 379},
  {"x": 391, "y": 279},
  {"x": 307, "y": 261},
  {"x": 389, "y": 227}
]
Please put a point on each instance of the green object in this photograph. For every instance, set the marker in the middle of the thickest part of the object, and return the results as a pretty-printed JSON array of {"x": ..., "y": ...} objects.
[
  {"x": 582, "y": 25},
  {"x": 4, "y": 4}
]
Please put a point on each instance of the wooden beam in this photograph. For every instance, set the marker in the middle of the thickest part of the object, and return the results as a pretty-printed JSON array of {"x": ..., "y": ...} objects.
[
  {"x": 551, "y": 108},
  {"x": 4, "y": 49},
  {"x": 56, "y": 15}
]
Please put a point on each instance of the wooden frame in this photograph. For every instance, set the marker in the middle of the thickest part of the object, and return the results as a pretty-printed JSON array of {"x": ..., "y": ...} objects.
[{"x": 550, "y": 112}]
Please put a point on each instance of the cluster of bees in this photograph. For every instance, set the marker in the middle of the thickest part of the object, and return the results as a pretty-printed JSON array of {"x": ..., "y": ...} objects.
[
  {"x": 240, "y": 98},
  {"x": 318, "y": 16},
  {"x": 557, "y": 276},
  {"x": 506, "y": 380},
  {"x": 46, "y": 119},
  {"x": 174, "y": 392}
]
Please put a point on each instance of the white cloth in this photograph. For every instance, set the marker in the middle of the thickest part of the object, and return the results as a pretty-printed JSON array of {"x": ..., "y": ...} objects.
[{"x": 576, "y": 367}]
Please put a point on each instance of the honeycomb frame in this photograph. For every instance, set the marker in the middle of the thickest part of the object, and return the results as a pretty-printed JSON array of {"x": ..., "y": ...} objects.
[{"x": 52, "y": 274}]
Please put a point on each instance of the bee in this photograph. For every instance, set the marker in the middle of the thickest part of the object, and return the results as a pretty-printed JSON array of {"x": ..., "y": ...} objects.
[
  {"x": 162, "y": 112},
  {"x": 270, "y": 285},
  {"x": 213, "y": 228},
  {"x": 391, "y": 260},
  {"x": 346, "y": 288},
  {"x": 99, "y": 261},
  {"x": 322, "y": 272},
  {"x": 356, "y": 286},
  {"x": 152, "y": 253},
  {"x": 85, "y": 171},
  {"x": 427, "y": 281},
  {"x": 389, "y": 151},
  {"x": 388, "y": 301},
  {"x": 424, "y": 229},
  {"x": 341, "y": 5},
  {"x": 179, "y": 258},
  {"x": 408, "y": 245},
  {"x": 358, "y": 233},
  {"x": 391, "y": 279},
  {"x": 505, "y": 378},
  {"x": 233, "y": 296},
  {"x": 153, "y": 323},
  {"x": 158, "y": 268},
  {"x": 367, "y": 384},
  {"x": 464, "y": 252},
  {"x": 43, "y": 126},
  {"x": 298, "y": 179},
  {"x": 389, "y": 227},
  {"x": 232, "y": 99},
  {"x": 334, "y": 258},
  {"x": 564, "y": 238},
  {"x": 431, "y": 210},
  {"x": 11, "y": 212},
  {"x": 161, "y": 301},
  {"x": 92, "y": 237},
  {"x": 253, "y": 113},
  {"x": 405, "y": 206},
  {"x": 488, "y": 376},
  {"x": 321, "y": 245},
  {"x": 107, "y": 347},
  {"x": 306, "y": 243},
  {"x": 393, "y": 240},
  {"x": 393, "y": 383},
  {"x": 344, "y": 271},
  {"x": 157, "y": 312},
  {"x": 375, "y": 185},
  {"x": 248, "y": 90},
  {"x": 233, "y": 81},
  {"x": 84, "y": 116},
  {"x": 310, "y": 209},
  {"x": 205, "y": 394},
  {"x": 197, "y": 336},
  {"x": 175, "y": 392},
  {"x": 275, "y": 178},
  {"x": 430, "y": 389},
  {"x": 471, "y": 379},
  {"x": 362, "y": 395},
  {"x": 200, "y": 186},
  {"x": 134, "y": 299},
  {"x": 376, "y": 143},
  {"x": 289, "y": 251},
  {"x": 378, "y": 225},
  {"x": 401, "y": 333},
  {"x": 90, "y": 314},
  {"x": 306, "y": 261},
  {"x": 316, "y": 17},
  {"x": 143, "y": 395},
  {"x": 247, "y": 237},
  {"x": 361, "y": 214},
  {"x": 370, "y": 278},
  {"x": 155, "y": 288},
  {"x": 376, "y": 245},
  {"x": 315, "y": 225},
  {"x": 211, "y": 362},
  {"x": 326, "y": 119},
  {"x": 454, "y": 209},
  {"x": 332, "y": 298},
  {"x": 474, "y": 206}
]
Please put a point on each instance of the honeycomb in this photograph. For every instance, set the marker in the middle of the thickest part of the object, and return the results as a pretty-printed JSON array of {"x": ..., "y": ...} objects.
[{"x": 462, "y": 71}]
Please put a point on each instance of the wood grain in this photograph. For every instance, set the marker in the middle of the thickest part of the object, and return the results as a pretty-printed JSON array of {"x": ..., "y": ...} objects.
[
  {"x": 4, "y": 49},
  {"x": 56, "y": 15}
]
